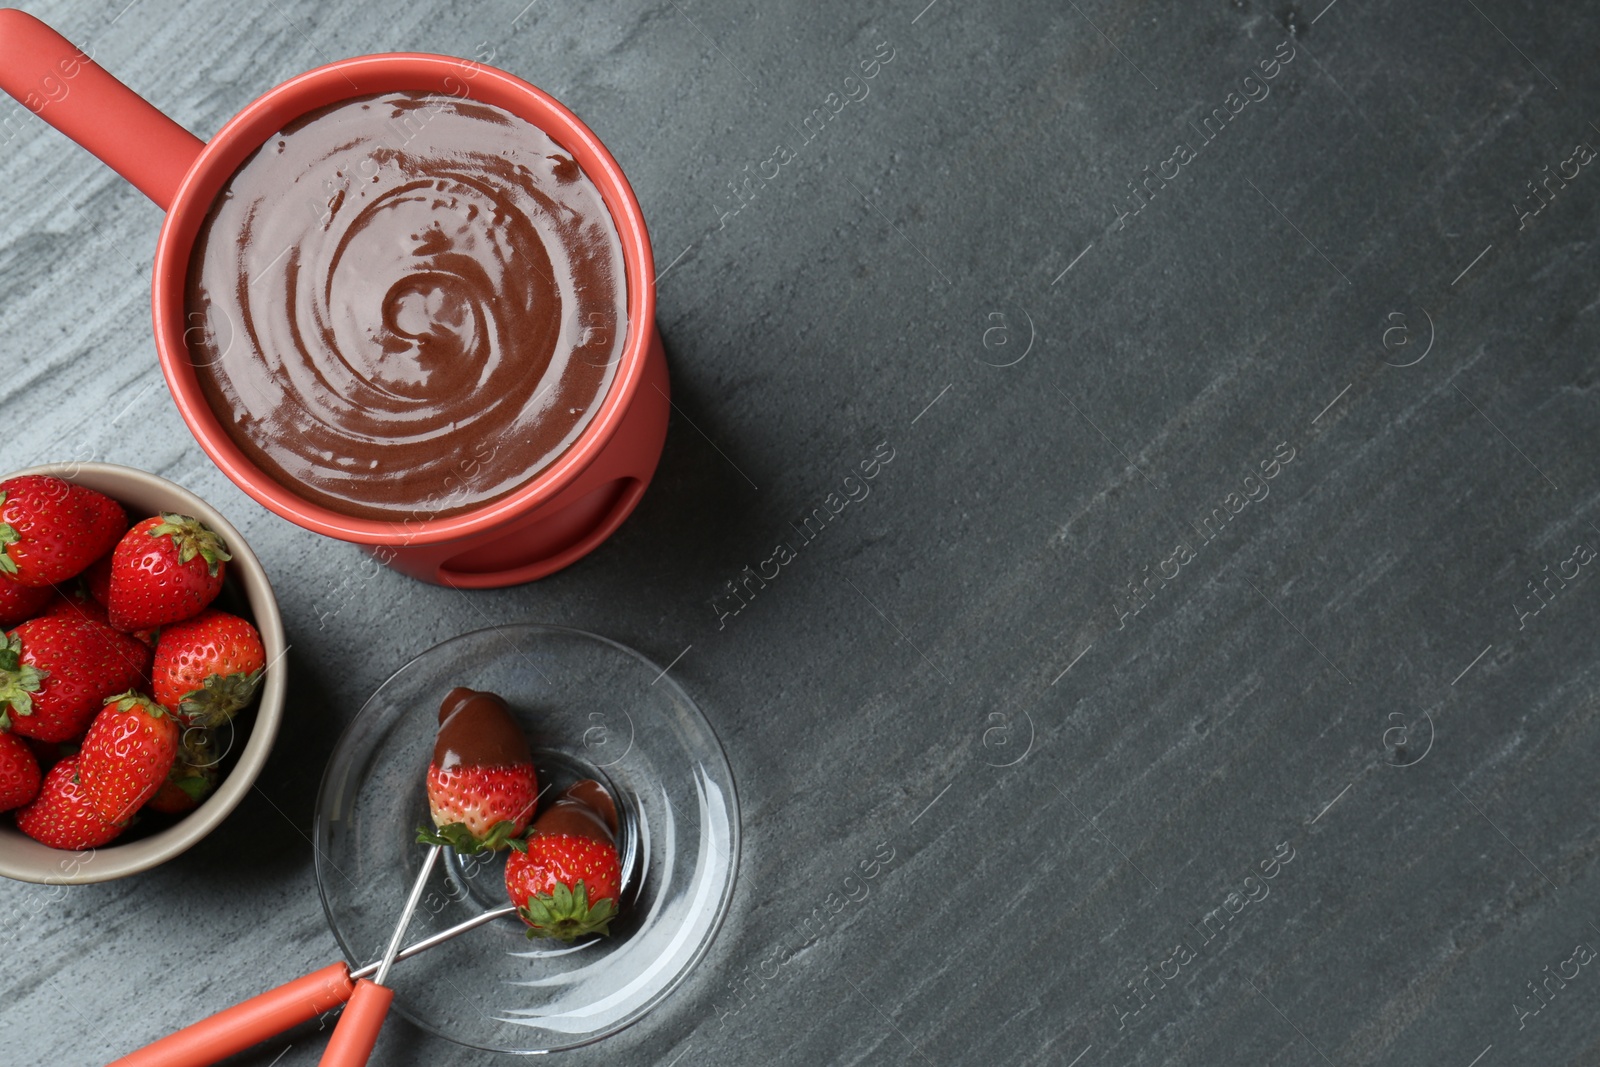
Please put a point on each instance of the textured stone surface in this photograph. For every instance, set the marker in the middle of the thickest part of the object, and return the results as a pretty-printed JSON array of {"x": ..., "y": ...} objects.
[{"x": 905, "y": 681}]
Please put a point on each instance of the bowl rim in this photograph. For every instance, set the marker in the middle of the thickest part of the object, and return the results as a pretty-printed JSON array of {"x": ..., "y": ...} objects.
[{"x": 118, "y": 861}]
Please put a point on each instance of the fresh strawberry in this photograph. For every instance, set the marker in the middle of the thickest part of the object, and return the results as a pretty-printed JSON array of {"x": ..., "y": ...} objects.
[
  {"x": 56, "y": 672},
  {"x": 166, "y": 569},
  {"x": 566, "y": 877},
  {"x": 86, "y": 597},
  {"x": 50, "y": 753},
  {"x": 208, "y": 667},
  {"x": 61, "y": 815},
  {"x": 74, "y": 601},
  {"x": 19, "y": 603},
  {"x": 19, "y": 772},
  {"x": 98, "y": 577},
  {"x": 127, "y": 753},
  {"x": 51, "y": 529},
  {"x": 482, "y": 787},
  {"x": 193, "y": 776}
]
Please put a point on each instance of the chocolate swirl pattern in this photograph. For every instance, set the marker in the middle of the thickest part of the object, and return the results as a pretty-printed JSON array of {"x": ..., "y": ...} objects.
[{"x": 411, "y": 305}]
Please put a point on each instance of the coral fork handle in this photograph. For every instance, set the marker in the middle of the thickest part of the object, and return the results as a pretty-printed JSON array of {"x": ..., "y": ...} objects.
[
  {"x": 357, "y": 1032},
  {"x": 353, "y": 1039},
  {"x": 249, "y": 1023},
  {"x": 53, "y": 78}
]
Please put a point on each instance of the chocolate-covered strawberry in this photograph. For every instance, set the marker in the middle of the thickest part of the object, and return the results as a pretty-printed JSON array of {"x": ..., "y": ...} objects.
[
  {"x": 482, "y": 787},
  {"x": 566, "y": 879}
]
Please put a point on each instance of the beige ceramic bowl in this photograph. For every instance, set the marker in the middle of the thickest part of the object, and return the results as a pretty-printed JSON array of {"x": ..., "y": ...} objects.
[{"x": 143, "y": 494}]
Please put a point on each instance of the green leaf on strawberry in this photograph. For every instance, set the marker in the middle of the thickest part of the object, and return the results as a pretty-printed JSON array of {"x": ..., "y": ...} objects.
[
  {"x": 194, "y": 786},
  {"x": 566, "y": 914},
  {"x": 218, "y": 698},
  {"x": 193, "y": 775},
  {"x": 18, "y": 681},
  {"x": 459, "y": 836},
  {"x": 192, "y": 539},
  {"x": 8, "y": 537},
  {"x": 567, "y": 883},
  {"x": 208, "y": 668}
]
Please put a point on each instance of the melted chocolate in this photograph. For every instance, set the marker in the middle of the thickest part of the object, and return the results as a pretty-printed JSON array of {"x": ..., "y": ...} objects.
[
  {"x": 406, "y": 305},
  {"x": 585, "y": 809},
  {"x": 477, "y": 730}
]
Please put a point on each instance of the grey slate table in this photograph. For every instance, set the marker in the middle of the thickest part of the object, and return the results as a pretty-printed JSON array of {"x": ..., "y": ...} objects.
[{"x": 1075, "y": 673}]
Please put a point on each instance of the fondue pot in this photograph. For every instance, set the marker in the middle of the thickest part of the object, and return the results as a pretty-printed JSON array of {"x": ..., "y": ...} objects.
[{"x": 550, "y": 521}]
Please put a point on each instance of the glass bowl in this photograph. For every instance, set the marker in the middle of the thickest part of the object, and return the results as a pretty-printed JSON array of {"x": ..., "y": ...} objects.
[{"x": 591, "y": 708}]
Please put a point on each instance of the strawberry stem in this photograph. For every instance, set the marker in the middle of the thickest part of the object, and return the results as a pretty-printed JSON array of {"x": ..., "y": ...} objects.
[
  {"x": 456, "y": 835},
  {"x": 566, "y": 914},
  {"x": 192, "y": 538},
  {"x": 134, "y": 701},
  {"x": 218, "y": 698},
  {"x": 8, "y": 537}
]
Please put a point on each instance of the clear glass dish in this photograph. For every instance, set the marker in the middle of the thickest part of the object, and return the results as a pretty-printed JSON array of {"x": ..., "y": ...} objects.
[{"x": 591, "y": 708}]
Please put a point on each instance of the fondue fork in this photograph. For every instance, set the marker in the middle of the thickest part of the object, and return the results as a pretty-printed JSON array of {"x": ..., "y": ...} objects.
[
  {"x": 268, "y": 1014},
  {"x": 356, "y": 1032}
]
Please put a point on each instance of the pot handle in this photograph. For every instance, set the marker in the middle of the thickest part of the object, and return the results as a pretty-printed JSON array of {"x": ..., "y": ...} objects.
[{"x": 53, "y": 78}]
